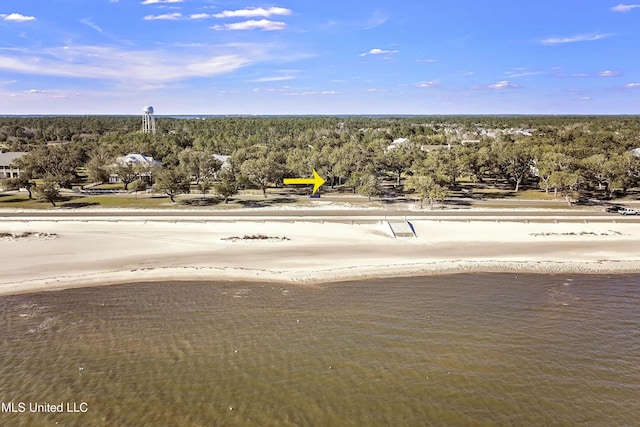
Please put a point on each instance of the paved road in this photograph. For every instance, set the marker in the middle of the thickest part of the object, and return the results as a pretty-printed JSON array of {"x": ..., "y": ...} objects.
[{"x": 335, "y": 215}]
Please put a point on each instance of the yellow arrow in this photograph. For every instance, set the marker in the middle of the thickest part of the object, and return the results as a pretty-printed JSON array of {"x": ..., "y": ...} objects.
[{"x": 317, "y": 181}]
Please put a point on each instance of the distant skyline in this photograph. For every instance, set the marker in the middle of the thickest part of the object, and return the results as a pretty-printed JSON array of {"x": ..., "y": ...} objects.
[{"x": 331, "y": 57}]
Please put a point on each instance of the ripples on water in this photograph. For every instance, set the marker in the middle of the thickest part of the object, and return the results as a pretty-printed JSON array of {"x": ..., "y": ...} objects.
[{"x": 483, "y": 349}]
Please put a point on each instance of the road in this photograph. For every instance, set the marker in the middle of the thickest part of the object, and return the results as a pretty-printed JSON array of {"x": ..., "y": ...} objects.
[{"x": 357, "y": 215}]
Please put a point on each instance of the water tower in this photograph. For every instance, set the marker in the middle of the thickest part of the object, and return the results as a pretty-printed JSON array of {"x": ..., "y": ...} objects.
[{"x": 148, "y": 122}]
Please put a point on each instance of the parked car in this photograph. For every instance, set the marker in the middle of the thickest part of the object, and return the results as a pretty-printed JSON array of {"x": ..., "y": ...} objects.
[
  {"x": 614, "y": 208},
  {"x": 583, "y": 201},
  {"x": 627, "y": 211}
]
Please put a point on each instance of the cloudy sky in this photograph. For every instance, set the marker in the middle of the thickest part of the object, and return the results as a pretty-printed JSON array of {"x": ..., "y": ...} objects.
[{"x": 319, "y": 57}]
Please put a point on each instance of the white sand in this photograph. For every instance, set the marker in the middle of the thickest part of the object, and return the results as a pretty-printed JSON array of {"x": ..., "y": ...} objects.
[{"x": 87, "y": 253}]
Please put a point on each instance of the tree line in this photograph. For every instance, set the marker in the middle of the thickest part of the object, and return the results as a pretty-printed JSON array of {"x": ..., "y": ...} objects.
[{"x": 423, "y": 157}]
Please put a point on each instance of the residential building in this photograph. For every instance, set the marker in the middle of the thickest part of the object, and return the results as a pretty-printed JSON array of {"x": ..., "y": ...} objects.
[
  {"x": 7, "y": 170},
  {"x": 143, "y": 163}
]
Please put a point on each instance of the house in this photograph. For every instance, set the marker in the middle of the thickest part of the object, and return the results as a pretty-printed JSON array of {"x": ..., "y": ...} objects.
[
  {"x": 398, "y": 142},
  {"x": 6, "y": 169},
  {"x": 138, "y": 160},
  {"x": 143, "y": 163},
  {"x": 224, "y": 160}
]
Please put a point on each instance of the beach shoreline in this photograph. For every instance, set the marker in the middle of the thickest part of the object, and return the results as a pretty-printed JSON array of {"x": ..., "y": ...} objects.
[{"x": 60, "y": 254}]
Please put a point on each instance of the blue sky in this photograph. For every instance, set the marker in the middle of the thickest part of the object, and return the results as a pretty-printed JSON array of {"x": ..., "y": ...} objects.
[{"x": 319, "y": 57}]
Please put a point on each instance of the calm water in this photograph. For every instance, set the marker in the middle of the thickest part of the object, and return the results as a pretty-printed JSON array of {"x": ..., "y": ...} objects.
[{"x": 472, "y": 350}]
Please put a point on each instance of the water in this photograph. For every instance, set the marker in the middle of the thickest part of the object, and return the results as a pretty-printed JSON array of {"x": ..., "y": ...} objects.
[{"x": 476, "y": 350}]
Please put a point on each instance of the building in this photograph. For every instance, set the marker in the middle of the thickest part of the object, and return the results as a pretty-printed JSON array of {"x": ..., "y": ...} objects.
[
  {"x": 224, "y": 160},
  {"x": 143, "y": 165},
  {"x": 6, "y": 168}
]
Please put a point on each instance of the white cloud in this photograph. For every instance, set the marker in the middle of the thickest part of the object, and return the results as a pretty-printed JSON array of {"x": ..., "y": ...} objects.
[
  {"x": 16, "y": 17},
  {"x": 427, "y": 85},
  {"x": 574, "y": 39},
  {"x": 312, "y": 93},
  {"x": 623, "y": 8},
  {"x": 428, "y": 60},
  {"x": 502, "y": 84},
  {"x": 272, "y": 79},
  {"x": 378, "y": 18},
  {"x": 166, "y": 17},
  {"x": 521, "y": 73},
  {"x": 139, "y": 68},
  {"x": 252, "y": 24},
  {"x": 161, "y": 1},
  {"x": 376, "y": 51},
  {"x": 36, "y": 91},
  {"x": 200, "y": 16},
  {"x": 253, "y": 13},
  {"x": 608, "y": 73},
  {"x": 89, "y": 23},
  {"x": 632, "y": 85}
]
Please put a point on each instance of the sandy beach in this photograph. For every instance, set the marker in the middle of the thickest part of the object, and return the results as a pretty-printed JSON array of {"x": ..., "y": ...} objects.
[{"x": 80, "y": 252}]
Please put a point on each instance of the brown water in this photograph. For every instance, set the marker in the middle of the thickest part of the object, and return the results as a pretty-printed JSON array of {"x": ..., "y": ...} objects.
[{"x": 472, "y": 350}]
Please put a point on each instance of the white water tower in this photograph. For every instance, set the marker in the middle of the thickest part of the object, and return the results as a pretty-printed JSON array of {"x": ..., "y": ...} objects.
[{"x": 148, "y": 122}]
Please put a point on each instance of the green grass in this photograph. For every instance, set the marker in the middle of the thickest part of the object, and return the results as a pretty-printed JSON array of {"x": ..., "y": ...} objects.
[
  {"x": 516, "y": 205},
  {"x": 107, "y": 186},
  {"x": 21, "y": 201},
  {"x": 494, "y": 193},
  {"x": 156, "y": 201},
  {"x": 109, "y": 201}
]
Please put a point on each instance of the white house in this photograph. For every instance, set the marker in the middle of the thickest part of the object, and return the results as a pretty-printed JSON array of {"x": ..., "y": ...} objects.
[
  {"x": 140, "y": 160},
  {"x": 398, "y": 142},
  {"x": 224, "y": 160},
  {"x": 6, "y": 169}
]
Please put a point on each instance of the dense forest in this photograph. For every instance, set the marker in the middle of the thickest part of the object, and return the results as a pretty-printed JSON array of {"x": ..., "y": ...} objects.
[{"x": 423, "y": 156}]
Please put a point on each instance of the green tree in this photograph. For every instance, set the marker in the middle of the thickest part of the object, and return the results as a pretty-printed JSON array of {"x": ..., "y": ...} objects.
[
  {"x": 425, "y": 187},
  {"x": 365, "y": 183},
  {"x": 48, "y": 191},
  {"x": 566, "y": 182},
  {"x": 550, "y": 162},
  {"x": 98, "y": 167},
  {"x": 399, "y": 159},
  {"x": 475, "y": 160},
  {"x": 606, "y": 172},
  {"x": 445, "y": 164},
  {"x": 127, "y": 173},
  {"x": 349, "y": 159},
  {"x": 517, "y": 161},
  {"x": 138, "y": 185},
  {"x": 200, "y": 165},
  {"x": 264, "y": 169},
  {"x": 226, "y": 187},
  {"x": 22, "y": 181},
  {"x": 56, "y": 162},
  {"x": 630, "y": 165},
  {"x": 172, "y": 182}
]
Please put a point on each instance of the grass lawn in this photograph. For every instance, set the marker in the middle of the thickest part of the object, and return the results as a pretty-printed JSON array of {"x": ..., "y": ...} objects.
[
  {"x": 107, "y": 186},
  {"x": 156, "y": 201},
  {"x": 21, "y": 201}
]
